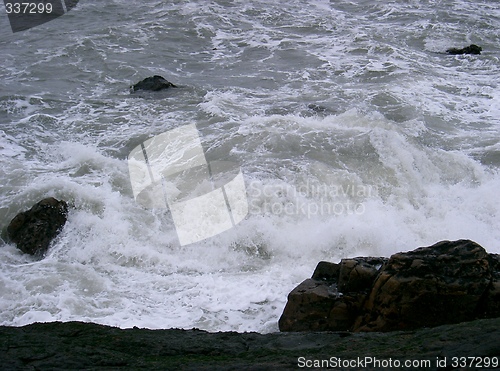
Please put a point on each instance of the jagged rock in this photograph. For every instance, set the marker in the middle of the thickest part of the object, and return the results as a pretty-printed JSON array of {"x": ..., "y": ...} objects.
[
  {"x": 326, "y": 271},
  {"x": 492, "y": 297},
  {"x": 33, "y": 230},
  {"x": 358, "y": 274},
  {"x": 154, "y": 83},
  {"x": 471, "y": 49},
  {"x": 429, "y": 286},
  {"x": 309, "y": 306},
  {"x": 448, "y": 282},
  {"x": 318, "y": 305}
]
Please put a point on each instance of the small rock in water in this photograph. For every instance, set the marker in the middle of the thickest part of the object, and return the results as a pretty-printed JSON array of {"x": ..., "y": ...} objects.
[
  {"x": 154, "y": 83},
  {"x": 317, "y": 108},
  {"x": 471, "y": 49},
  {"x": 33, "y": 230}
]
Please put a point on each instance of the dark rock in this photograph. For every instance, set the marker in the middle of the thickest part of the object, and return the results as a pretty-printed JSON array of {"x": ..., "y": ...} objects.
[
  {"x": 318, "y": 304},
  {"x": 492, "y": 296},
  {"x": 88, "y": 346},
  {"x": 309, "y": 307},
  {"x": 317, "y": 108},
  {"x": 448, "y": 282},
  {"x": 154, "y": 83},
  {"x": 429, "y": 286},
  {"x": 471, "y": 49},
  {"x": 358, "y": 274},
  {"x": 33, "y": 230},
  {"x": 326, "y": 271}
]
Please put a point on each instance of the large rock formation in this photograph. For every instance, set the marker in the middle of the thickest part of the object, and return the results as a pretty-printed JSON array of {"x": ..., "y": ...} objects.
[
  {"x": 154, "y": 83},
  {"x": 449, "y": 282},
  {"x": 471, "y": 49},
  {"x": 33, "y": 230}
]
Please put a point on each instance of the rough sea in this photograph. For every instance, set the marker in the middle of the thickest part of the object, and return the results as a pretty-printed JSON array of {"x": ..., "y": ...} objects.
[{"x": 355, "y": 132}]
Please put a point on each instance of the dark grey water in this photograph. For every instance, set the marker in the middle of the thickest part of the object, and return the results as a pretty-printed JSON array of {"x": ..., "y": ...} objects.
[{"x": 355, "y": 133}]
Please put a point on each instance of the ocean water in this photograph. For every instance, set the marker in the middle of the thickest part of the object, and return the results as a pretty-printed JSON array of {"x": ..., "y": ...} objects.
[{"x": 355, "y": 133}]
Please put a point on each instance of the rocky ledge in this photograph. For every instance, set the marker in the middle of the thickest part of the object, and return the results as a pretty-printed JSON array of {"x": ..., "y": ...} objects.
[
  {"x": 449, "y": 282},
  {"x": 87, "y": 346}
]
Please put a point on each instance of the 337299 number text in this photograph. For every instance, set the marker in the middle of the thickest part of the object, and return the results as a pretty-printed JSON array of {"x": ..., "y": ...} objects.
[{"x": 28, "y": 8}]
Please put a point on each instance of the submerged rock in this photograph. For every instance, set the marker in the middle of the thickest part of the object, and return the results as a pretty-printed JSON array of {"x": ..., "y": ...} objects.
[
  {"x": 154, "y": 83},
  {"x": 471, "y": 49},
  {"x": 449, "y": 282},
  {"x": 317, "y": 108},
  {"x": 33, "y": 230}
]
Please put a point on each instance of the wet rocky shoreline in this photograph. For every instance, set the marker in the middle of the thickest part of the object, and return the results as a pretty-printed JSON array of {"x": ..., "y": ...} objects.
[{"x": 88, "y": 346}]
